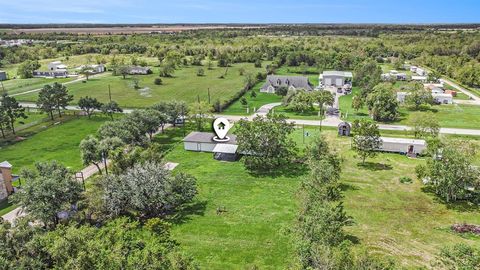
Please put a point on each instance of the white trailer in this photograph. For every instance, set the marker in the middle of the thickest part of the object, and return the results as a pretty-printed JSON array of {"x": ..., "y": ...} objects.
[
  {"x": 410, "y": 147},
  {"x": 203, "y": 142}
]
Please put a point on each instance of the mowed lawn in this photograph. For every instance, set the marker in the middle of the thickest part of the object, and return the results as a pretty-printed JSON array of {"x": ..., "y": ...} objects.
[
  {"x": 59, "y": 142},
  {"x": 184, "y": 85},
  {"x": 451, "y": 116},
  {"x": 400, "y": 221},
  {"x": 16, "y": 86}
]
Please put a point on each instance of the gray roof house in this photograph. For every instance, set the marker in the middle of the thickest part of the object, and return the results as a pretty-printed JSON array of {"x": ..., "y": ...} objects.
[{"x": 291, "y": 82}]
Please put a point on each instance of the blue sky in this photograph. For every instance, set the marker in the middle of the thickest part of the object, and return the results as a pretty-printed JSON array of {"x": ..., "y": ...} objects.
[{"x": 239, "y": 11}]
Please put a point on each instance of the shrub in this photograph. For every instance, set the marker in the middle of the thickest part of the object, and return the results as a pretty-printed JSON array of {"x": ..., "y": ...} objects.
[
  {"x": 406, "y": 180},
  {"x": 158, "y": 81}
]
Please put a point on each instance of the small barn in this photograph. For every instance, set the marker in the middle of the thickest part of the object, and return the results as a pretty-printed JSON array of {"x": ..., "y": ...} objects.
[
  {"x": 410, "y": 147},
  {"x": 442, "y": 98},
  {"x": 344, "y": 129}
]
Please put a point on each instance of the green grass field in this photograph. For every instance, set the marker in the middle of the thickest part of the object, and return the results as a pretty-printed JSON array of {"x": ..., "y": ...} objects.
[
  {"x": 184, "y": 85},
  {"x": 400, "y": 221},
  {"x": 59, "y": 142},
  {"x": 17, "y": 86},
  {"x": 452, "y": 116}
]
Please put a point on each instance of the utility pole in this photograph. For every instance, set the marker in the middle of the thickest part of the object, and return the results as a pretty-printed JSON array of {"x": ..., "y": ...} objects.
[
  {"x": 109, "y": 93},
  {"x": 303, "y": 133},
  {"x": 209, "y": 95}
]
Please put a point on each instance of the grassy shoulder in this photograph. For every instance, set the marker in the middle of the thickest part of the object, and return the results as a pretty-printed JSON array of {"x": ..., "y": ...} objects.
[
  {"x": 401, "y": 221},
  {"x": 451, "y": 116}
]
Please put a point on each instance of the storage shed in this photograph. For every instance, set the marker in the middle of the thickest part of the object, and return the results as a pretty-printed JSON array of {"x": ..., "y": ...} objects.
[
  {"x": 410, "y": 147},
  {"x": 344, "y": 129},
  {"x": 3, "y": 75}
]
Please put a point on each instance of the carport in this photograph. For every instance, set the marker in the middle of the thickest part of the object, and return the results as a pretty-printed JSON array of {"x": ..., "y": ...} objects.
[{"x": 225, "y": 152}]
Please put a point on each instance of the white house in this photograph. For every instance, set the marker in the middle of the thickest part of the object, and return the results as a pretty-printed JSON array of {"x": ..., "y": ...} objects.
[
  {"x": 57, "y": 66},
  {"x": 100, "y": 68},
  {"x": 420, "y": 71},
  {"x": 437, "y": 90},
  {"x": 421, "y": 79},
  {"x": 413, "y": 68},
  {"x": 335, "y": 78},
  {"x": 401, "y": 96},
  {"x": 203, "y": 141},
  {"x": 410, "y": 147},
  {"x": 443, "y": 98},
  {"x": 395, "y": 75}
]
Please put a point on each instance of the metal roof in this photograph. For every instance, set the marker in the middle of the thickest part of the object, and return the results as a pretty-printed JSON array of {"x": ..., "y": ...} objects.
[
  {"x": 225, "y": 148},
  {"x": 338, "y": 73},
  {"x": 207, "y": 137},
  {"x": 403, "y": 140},
  {"x": 5, "y": 164}
]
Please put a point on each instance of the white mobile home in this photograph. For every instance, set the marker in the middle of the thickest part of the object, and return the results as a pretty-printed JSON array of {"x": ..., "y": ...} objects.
[
  {"x": 443, "y": 98},
  {"x": 203, "y": 142},
  {"x": 420, "y": 71},
  {"x": 422, "y": 79},
  {"x": 57, "y": 66},
  {"x": 409, "y": 147}
]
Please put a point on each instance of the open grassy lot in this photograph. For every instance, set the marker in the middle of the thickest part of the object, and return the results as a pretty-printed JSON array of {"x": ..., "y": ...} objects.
[
  {"x": 452, "y": 116},
  {"x": 16, "y": 86},
  {"x": 58, "y": 142},
  {"x": 401, "y": 221},
  {"x": 184, "y": 85}
]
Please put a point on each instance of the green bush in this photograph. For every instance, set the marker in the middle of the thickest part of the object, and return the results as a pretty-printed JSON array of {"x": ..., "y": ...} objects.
[{"x": 406, "y": 180}]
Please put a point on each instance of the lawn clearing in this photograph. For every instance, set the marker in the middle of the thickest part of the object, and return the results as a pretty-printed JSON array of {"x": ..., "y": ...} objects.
[
  {"x": 184, "y": 85},
  {"x": 400, "y": 221},
  {"x": 16, "y": 86},
  {"x": 59, "y": 142}
]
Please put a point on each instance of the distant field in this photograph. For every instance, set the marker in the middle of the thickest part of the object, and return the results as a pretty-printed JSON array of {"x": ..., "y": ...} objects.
[
  {"x": 128, "y": 30},
  {"x": 184, "y": 85}
]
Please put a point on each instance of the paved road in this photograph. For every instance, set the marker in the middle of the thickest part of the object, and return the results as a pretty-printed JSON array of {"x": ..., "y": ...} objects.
[
  {"x": 332, "y": 121},
  {"x": 474, "y": 100},
  {"x": 79, "y": 79}
]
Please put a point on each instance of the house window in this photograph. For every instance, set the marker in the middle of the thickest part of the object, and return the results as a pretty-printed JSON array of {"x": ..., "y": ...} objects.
[
  {"x": 287, "y": 82},
  {"x": 279, "y": 82}
]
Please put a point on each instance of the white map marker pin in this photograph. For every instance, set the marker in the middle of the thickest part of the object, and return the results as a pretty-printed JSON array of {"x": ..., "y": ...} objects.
[{"x": 221, "y": 127}]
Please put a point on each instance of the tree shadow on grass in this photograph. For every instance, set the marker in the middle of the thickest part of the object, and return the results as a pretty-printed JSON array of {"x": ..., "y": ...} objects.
[
  {"x": 458, "y": 206},
  {"x": 346, "y": 187},
  {"x": 290, "y": 171},
  {"x": 374, "y": 166},
  {"x": 196, "y": 208},
  {"x": 352, "y": 238}
]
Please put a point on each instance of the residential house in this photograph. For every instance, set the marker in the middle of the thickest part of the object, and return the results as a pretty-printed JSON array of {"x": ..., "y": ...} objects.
[
  {"x": 3, "y": 75},
  {"x": 443, "y": 98},
  {"x": 394, "y": 75},
  {"x": 422, "y": 79},
  {"x": 274, "y": 82},
  {"x": 337, "y": 79},
  {"x": 413, "y": 68},
  {"x": 100, "y": 68},
  {"x": 437, "y": 90},
  {"x": 138, "y": 70},
  {"x": 421, "y": 72},
  {"x": 57, "y": 66}
]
